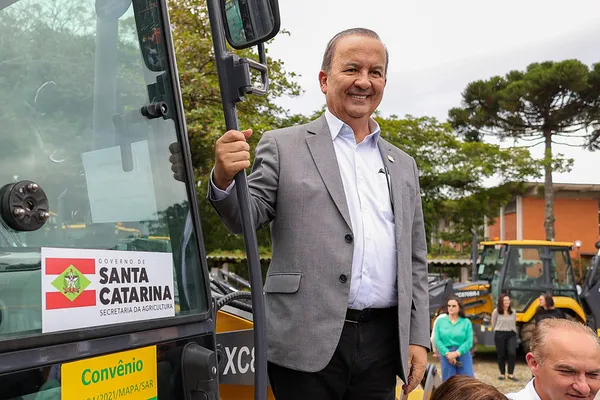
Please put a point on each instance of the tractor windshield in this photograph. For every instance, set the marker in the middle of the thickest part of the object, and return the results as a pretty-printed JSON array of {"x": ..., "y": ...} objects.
[
  {"x": 533, "y": 270},
  {"x": 562, "y": 274},
  {"x": 88, "y": 113},
  {"x": 490, "y": 267}
]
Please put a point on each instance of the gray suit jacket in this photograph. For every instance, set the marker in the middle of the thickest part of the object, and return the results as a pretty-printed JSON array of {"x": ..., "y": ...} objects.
[{"x": 296, "y": 185}]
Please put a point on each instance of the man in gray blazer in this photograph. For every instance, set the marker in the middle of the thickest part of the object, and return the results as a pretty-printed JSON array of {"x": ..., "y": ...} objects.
[{"x": 346, "y": 292}]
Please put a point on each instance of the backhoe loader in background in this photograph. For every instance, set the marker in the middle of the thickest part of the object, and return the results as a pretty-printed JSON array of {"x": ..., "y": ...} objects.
[
  {"x": 525, "y": 269},
  {"x": 104, "y": 287}
]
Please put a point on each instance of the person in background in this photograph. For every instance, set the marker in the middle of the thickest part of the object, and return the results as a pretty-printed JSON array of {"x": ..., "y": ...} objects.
[
  {"x": 504, "y": 325},
  {"x": 547, "y": 310},
  {"x": 564, "y": 360},
  {"x": 454, "y": 339},
  {"x": 443, "y": 313},
  {"x": 461, "y": 387}
]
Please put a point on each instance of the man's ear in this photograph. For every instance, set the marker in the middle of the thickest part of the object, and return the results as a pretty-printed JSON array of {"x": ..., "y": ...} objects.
[
  {"x": 323, "y": 81},
  {"x": 532, "y": 362}
]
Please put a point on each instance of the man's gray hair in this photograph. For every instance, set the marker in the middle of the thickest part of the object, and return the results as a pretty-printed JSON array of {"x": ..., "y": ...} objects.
[
  {"x": 546, "y": 326},
  {"x": 330, "y": 49}
]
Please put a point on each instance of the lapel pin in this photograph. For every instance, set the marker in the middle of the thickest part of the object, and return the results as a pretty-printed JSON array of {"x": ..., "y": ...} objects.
[{"x": 391, "y": 158}]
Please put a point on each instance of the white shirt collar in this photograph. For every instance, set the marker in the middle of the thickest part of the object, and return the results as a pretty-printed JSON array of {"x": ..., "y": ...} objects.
[
  {"x": 335, "y": 126},
  {"x": 528, "y": 393}
]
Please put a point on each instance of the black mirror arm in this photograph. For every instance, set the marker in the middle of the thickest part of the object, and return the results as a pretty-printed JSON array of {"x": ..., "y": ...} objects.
[
  {"x": 234, "y": 81},
  {"x": 264, "y": 72},
  {"x": 240, "y": 82}
]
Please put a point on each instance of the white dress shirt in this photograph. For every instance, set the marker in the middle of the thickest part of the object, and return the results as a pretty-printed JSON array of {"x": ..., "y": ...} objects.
[
  {"x": 373, "y": 283},
  {"x": 528, "y": 393}
]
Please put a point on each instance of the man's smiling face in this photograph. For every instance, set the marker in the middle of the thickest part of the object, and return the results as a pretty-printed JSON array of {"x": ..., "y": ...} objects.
[
  {"x": 569, "y": 367},
  {"x": 354, "y": 85}
]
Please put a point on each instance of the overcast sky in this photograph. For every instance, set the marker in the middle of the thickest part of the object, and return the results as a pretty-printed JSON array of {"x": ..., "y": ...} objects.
[{"x": 438, "y": 46}]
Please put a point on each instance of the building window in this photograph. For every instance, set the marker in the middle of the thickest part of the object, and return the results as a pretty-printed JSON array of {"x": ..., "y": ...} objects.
[{"x": 511, "y": 207}]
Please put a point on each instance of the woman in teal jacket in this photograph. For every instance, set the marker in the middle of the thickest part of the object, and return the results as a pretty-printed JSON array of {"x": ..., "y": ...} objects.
[{"x": 454, "y": 339}]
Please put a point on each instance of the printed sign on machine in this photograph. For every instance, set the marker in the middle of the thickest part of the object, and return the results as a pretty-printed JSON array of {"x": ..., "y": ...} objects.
[
  {"x": 84, "y": 288},
  {"x": 128, "y": 375}
]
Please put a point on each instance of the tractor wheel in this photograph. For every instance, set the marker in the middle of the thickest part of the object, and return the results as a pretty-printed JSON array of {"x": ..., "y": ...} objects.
[{"x": 526, "y": 333}]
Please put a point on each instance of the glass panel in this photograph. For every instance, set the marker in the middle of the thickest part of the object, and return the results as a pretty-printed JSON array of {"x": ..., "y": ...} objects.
[
  {"x": 490, "y": 266},
  {"x": 525, "y": 268},
  {"x": 74, "y": 77},
  {"x": 521, "y": 299},
  {"x": 562, "y": 274},
  {"x": 525, "y": 276},
  {"x": 562, "y": 270}
]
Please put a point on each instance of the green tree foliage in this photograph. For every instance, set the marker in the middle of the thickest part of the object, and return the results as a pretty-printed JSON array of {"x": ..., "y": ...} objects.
[
  {"x": 204, "y": 113},
  {"x": 547, "y": 103},
  {"x": 592, "y": 142},
  {"x": 454, "y": 173}
]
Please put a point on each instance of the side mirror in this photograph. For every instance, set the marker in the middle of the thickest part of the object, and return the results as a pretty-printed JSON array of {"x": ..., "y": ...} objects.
[
  {"x": 250, "y": 22},
  {"x": 597, "y": 245}
]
